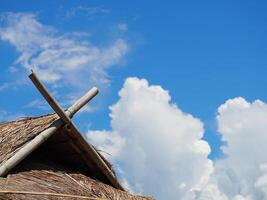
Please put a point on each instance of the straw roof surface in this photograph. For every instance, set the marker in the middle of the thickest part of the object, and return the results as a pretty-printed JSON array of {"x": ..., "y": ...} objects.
[
  {"x": 14, "y": 135},
  {"x": 58, "y": 169},
  {"x": 40, "y": 179}
]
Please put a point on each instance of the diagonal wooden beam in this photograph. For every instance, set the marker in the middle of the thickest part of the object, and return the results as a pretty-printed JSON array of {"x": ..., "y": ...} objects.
[
  {"x": 65, "y": 117},
  {"x": 28, "y": 148},
  {"x": 49, "y": 98}
]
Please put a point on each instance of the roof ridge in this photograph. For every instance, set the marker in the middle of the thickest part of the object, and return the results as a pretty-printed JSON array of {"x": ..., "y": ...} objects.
[{"x": 24, "y": 118}]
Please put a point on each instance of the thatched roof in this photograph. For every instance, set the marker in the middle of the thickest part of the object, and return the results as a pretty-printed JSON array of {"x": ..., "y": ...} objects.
[
  {"x": 66, "y": 144},
  {"x": 39, "y": 179},
  {"x": 78, "y": 175},
  {"x": 14, "y": 135}
]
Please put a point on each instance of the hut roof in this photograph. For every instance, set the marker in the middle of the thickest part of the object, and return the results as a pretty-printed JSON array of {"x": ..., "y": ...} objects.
[
  {"x": 15, "y": 134},
  {"x": 38, "y": 178},
  {"x": 64, "y": 146}
]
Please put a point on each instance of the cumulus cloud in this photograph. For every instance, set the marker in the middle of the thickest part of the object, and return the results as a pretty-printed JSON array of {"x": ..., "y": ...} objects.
[
  {"x": 243, "y": 126},
  {"x": 242, "y": 174},
  {"x": 157, "y": 147},
  {"x": 54, "y": 55},
  {"x": 261, "y": 182}
]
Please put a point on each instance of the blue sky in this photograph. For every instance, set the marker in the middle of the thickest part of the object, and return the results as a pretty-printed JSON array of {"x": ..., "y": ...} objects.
[{"x": 202, "y": 52}]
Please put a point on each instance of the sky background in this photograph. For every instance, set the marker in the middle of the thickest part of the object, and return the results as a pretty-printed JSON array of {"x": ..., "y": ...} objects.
[{"x": 202, "y": 52}]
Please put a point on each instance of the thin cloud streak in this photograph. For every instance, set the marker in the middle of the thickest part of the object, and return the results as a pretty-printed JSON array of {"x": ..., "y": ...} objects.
[{"x": 60, "y": 58}]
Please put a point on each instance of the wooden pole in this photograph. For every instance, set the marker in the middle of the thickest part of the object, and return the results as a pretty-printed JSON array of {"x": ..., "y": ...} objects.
[
  {"x": 43, "y": 136},
  {"x": 49, "y": 98},
  {"x": 30, "y": 147},
  {"x": 65, "y": 118},
  {"x": 82, "y": 101}
]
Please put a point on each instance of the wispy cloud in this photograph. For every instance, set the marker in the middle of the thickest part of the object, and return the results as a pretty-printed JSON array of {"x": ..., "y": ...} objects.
[
  {"x": 59, "y": 58},
  {"x": 37, "y": 103},
  {"x": 123, "y": 27},
  {"x": 87, "y": 11},
  {"x": 9, "y": 85},
  {"x": 4, "y": 86},
  {"x": 7, "y": 116}
]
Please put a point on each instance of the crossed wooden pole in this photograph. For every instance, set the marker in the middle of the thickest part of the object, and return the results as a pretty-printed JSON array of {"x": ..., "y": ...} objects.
[
  {"x": 65, "y": 116},
  {"x": 64, "y": 119}
]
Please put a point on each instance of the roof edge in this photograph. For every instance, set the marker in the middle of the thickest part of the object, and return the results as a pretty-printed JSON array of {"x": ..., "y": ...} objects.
[{"x": 80, "y": 140}]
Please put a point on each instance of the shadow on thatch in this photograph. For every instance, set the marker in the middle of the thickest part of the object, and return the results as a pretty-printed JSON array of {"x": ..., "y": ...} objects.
[{"x": 58, "y": 169}]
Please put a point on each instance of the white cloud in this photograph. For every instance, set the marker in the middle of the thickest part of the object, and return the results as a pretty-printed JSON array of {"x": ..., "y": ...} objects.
[
  {"x": 87, "y": 11},
  {"x": 38, "y": 103},
  {"x": 261, "y": 182},
  {"x": 157, "y": 147},
  {"x": 8, "y": 116},
  {"x": 242, "y": 173},
  {"x": 208, "y": 192},
  {"x": 67, "y": 58},
  {"x": 123, "y": 27},
  {"x": 12, "y": 69},
  {"x": 4, "y": 86}
]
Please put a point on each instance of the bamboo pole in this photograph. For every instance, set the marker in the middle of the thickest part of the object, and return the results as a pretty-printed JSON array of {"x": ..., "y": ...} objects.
[
  {"x": 43, "y": 136},
  {"x": 49, "y": 98},
  {"x": 95, "y": 157},
  {"x": 82, "y": 101},
  {"x": 65, "y": 118},
  {"x": 30, "y": 147}
]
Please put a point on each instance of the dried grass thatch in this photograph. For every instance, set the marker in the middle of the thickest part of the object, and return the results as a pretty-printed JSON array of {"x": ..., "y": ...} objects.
[
  {"x": 14, "y": 135},
  {"x": 40, "y": 179},
  {"x": 56, "y": 170}
]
